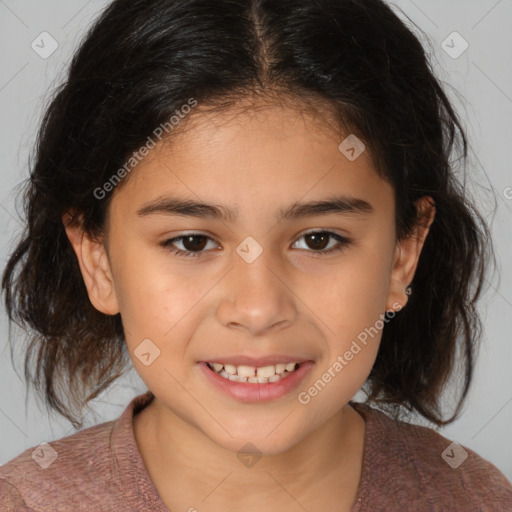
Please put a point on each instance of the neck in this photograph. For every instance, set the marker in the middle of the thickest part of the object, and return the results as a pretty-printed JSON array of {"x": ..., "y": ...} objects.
[{"x": 326, "y": 464}]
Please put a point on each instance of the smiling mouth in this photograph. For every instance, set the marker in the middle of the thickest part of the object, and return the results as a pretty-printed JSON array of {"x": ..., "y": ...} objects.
[{"x": 253, "y": 374}]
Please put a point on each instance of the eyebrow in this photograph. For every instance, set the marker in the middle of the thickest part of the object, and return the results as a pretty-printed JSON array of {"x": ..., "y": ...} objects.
[{"x": 183, "y": 207}]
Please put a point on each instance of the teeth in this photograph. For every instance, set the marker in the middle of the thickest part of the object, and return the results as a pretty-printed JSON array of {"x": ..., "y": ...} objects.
[
  {"x": 266, "y": 371},
  {"x": 236, "y": 378},
  {"x": 280, "y": 368},
  {"x": 231, "y": 369},
  {"x": 244, "y": 373}
]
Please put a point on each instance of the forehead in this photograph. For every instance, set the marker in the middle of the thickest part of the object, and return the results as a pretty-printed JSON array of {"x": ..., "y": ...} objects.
[{"x": 254, "y": 156}]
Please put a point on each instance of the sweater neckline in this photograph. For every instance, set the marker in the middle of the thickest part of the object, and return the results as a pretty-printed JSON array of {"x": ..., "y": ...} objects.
[{"x": 137, "y": 484}]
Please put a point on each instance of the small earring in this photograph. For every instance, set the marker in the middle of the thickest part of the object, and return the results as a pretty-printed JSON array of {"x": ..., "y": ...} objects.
[{"x": 408, "y": 290}]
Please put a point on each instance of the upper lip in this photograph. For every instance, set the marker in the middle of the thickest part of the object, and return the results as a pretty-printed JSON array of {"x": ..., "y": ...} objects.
[{"x": 256, "y": 361}]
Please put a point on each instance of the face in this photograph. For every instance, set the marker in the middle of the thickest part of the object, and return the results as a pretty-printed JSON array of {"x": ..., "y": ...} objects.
[{"x": 265, "y": 284}]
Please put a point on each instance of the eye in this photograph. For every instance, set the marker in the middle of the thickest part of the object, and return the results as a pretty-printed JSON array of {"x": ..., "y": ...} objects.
[
  {"x": 193, "y": 244},
  {"x": 318, "y": 241}
]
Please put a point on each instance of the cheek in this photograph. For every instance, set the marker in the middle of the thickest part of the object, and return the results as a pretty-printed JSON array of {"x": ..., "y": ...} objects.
[
  {"x": 355, "y": 294},
  {"x": 352, "y": 304},
  {"x": 153, "y": 295},
  {"x": 353, "y": 340},
  {"x": 157, "y": 311}
]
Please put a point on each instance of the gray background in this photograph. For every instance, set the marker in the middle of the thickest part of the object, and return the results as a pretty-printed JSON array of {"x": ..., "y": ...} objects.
[{"x": 482, "y": 75}]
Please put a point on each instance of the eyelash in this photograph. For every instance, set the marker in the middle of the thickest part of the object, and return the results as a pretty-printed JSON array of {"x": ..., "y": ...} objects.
[{"x": 343, "y": 243}]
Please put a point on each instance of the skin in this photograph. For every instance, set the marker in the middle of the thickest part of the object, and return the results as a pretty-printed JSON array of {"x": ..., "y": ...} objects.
[{"x": 289, "y": 300}]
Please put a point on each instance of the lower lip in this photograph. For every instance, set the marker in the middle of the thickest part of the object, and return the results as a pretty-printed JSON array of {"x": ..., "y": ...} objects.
[{"x": 256, "y": 392}]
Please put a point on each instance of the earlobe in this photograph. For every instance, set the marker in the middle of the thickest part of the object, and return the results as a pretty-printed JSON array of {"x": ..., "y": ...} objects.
[
  {"x": 95, "y": 268},
  {"x": 407, "y": 255}
]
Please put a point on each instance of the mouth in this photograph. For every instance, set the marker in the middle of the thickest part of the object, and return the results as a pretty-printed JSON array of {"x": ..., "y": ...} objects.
[
  {"x": 254, "y": 374},
  {"x": 262, "y": 381}
]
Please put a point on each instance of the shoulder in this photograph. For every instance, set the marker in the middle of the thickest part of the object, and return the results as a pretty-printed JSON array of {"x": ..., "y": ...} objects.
[
  {"x": 65, "y": 467},
  {"x": 10, "y": 498},
  {"x": 424, "y": 469},
  {"x": 98, "y": 468}
]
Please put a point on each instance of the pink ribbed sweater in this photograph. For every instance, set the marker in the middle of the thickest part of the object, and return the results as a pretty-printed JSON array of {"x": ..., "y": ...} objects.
[{"x": 405, "y": 467}]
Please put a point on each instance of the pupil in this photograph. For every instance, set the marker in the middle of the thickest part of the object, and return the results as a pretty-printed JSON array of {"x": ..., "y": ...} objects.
[
  {"x": 194, "y": 245},
  {"x": 317, "y": 237}
]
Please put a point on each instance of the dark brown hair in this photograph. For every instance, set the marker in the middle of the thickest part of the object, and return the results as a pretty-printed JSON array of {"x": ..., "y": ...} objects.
[{"x": 139, "y": 63}]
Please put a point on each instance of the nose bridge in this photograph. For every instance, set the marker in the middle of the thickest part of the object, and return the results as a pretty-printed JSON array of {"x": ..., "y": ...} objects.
[
  {"x": 252, "y": 266},
  {"x": 256, "y": 297}
]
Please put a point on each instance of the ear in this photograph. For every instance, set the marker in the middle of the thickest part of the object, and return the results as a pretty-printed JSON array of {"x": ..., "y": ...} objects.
[
  {"x": 95, "y": 268},
  {"x": 407, "y": 255}
]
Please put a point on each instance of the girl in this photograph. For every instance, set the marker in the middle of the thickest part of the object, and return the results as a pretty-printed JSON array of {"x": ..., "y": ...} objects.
[{"x": 254, "y": 201}]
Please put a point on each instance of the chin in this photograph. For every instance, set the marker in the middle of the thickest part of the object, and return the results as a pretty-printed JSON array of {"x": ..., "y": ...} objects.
[{"x": 260, "y": 442}]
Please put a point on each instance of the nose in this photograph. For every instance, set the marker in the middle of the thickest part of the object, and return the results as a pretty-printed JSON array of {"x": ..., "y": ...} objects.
[{"x": 256, "y": 297}]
